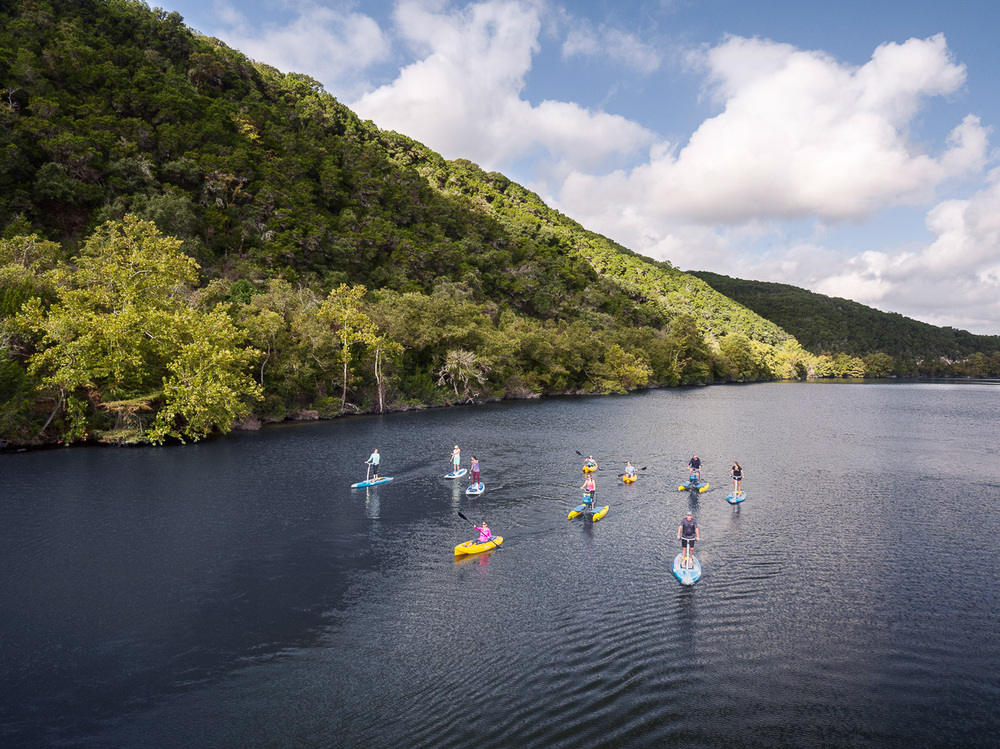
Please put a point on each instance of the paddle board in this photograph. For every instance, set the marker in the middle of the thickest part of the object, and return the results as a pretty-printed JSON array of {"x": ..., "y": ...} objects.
[
  {"x": 687, "y": 575},
  {"x": 372, "y": 482},
  {"x": 595, "y": 516},
  {"x": 456, "y": 474},
  {"x": 735, "y": 499},
  {"x": 693, "y": 483},
  {"x": 476, "y": 488}
]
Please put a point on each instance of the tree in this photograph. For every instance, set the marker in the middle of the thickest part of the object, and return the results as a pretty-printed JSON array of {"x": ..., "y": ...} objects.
[
  {"x": 342, "y": 311},
  {"x": 121, "y": 330},
  {"x": 459, "y": 368}
]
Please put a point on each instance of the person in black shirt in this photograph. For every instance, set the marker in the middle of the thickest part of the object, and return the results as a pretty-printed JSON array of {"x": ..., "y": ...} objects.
[{"x": 688, "y": 533}]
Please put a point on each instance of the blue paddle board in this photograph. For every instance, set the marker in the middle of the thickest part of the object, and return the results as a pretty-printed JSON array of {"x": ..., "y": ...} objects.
[
  {"x": 687, "y": 575},
  {"x": 693, "y": 484},
  {"x": 456, "y": 474},
  {"x": 476, "y": 488},
  {"x": 372, "y": 482},
  {"x": 736, "y": 498}
]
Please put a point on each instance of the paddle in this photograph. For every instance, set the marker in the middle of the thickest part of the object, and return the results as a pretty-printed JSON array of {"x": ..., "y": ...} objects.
[
  {"x": 368, "y": 473},
  {"x": 474, "y": 526}
]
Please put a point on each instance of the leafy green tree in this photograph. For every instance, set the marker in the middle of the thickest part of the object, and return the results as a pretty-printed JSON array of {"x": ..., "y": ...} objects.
[
  {"x": 121, "y": 329},
  {"x": 342, "y": 310}
]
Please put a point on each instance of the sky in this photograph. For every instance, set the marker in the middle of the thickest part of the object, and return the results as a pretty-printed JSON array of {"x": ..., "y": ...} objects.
[{"x": 848, "y": 148}]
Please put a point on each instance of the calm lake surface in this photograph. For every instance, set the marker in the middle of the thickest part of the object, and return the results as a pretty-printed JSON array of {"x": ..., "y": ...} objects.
[{"x": 237, "y": 593}]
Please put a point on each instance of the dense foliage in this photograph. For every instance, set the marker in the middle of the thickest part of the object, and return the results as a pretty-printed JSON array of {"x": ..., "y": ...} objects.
[
  {"x": 888, "y": 342},
  {"x": 190, "y": 239}
]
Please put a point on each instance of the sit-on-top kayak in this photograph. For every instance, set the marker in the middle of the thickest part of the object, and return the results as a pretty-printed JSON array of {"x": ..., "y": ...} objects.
[
  {"x": 694, "y": 483},
  {"x": 687, "y": 575},
  {"x": 736, "y": 498},
  {"x": 474, "y": 547},
  {"x": 476, "y": 488},
  {"x": 589, "y": 469},
  {"x": 372, "y": 482},
  {"x": 629, "y": 479},
  {"x": 456, "y": 474},
  {"x": 595, "y": 516}
]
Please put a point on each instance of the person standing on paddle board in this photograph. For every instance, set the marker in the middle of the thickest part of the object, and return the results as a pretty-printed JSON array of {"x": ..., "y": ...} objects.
[
  {"x": 373, "y": 461},
  {"x": 737, "y": 474},
  {"x": 694, "y": 465},
  {"x": 456, "y": 459},
  {"x": 474, "y": 466},
  {"x": 590, "y": 486},
  {"x": 688, "y": 533}
]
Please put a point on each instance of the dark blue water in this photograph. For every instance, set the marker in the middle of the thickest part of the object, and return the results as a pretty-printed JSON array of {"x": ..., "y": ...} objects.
[{"x": 237, "y": 593}]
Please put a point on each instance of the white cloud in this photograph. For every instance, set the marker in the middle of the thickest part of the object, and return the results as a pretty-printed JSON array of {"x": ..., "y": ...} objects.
[
  {"x": 463, "y": 97},
  {"x": 612, "y": 43},
  {"x": 799, "y": 135},
  {"x": 331, "y": 45},
  {"x": 954, "y": 280}
]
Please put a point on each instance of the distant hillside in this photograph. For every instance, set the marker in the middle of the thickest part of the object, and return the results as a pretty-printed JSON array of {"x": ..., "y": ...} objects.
[{"x": 824, "y": 324}]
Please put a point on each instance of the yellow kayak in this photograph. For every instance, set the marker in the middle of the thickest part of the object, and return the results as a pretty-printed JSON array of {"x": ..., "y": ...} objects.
[
  {"x": 629, "y": 479},
  {"x": 589, "y": 469},
  {"x": 474, "y": 547}
]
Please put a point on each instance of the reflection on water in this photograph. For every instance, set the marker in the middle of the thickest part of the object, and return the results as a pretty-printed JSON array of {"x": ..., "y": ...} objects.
[{"x": 239, "y": 593}]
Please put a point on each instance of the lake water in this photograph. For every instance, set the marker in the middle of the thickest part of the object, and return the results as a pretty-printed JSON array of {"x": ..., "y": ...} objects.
[{"x": 237, "y": 592}]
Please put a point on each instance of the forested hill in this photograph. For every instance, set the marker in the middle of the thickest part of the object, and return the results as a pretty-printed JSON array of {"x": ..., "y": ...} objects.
[
  {"x": 189, "y": 238},
  {"x": 824, "y": 324}
]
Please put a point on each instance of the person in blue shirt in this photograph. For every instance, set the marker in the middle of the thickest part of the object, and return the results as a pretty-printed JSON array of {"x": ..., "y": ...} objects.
[{"x": 373, "y": 461}]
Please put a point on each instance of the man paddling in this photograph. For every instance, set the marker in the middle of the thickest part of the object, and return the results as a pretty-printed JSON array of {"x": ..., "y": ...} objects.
[
  {"x": 688, "y": 533},
  {"x": 694, "y": 466}
]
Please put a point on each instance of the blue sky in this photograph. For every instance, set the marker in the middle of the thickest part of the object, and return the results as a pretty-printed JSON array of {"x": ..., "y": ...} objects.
[{"x": 848, "y": 148}]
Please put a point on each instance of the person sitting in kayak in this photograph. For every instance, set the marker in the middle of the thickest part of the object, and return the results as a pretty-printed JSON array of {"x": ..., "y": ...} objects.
[
  {"x": 688, "y": 533},
  {"x": 590, "y": 462},
  {"x": 589, "y": 486},
  {"x": 475, "y": 471},
  {"x": 456, "y": 459},
  {"x": 373, "y": 461},
  {"x": 630, "y": 469},
  {"x": 484, "y": 533},
  {"x": 694, "y": 466}
]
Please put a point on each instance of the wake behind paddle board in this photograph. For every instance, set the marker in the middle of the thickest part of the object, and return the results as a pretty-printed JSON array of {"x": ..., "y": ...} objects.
[
  {"x": 736, "y": 498},
  {"x": 456, "y": 474},
  {"x": 687, "y": 575},
  {"x": 476, "y": 488},
  {"x": 372, "y": 482}
]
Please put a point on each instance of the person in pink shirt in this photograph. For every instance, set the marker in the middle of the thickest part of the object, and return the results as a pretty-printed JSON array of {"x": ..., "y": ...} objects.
[{"x": 484, "y": 533}]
